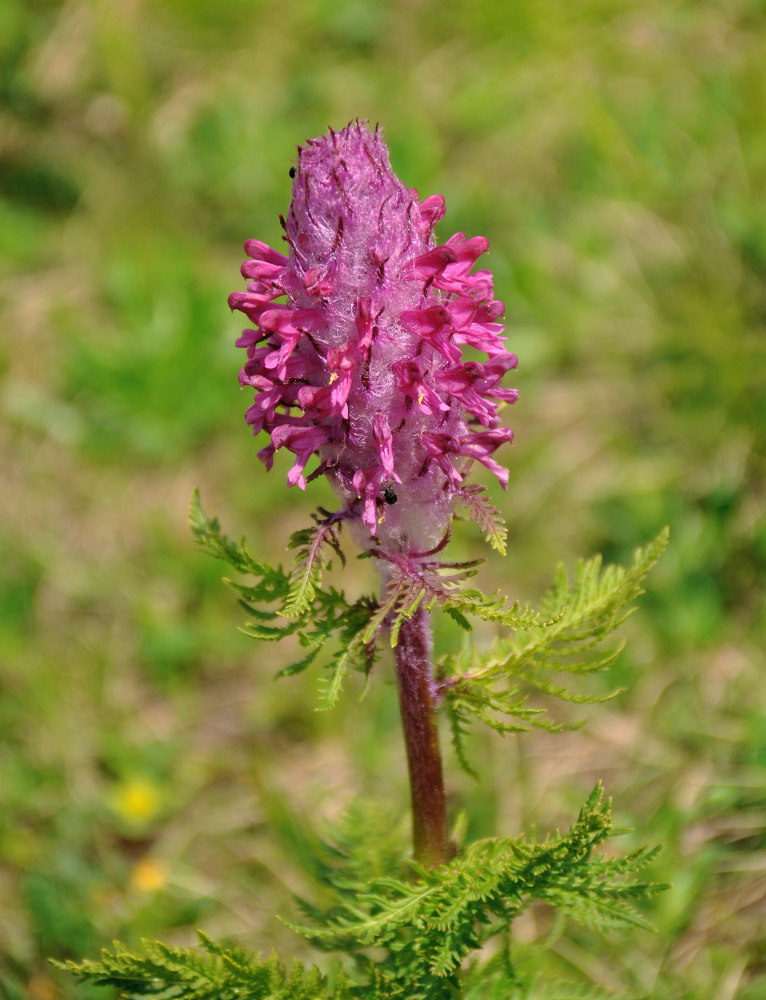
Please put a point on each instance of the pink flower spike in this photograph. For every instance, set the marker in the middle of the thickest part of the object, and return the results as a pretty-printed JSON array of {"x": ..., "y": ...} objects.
[{"x": 369, "y": 360}]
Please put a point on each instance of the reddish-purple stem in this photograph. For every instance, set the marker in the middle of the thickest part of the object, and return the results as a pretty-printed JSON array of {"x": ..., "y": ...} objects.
[{"x": 414, "y": 678}]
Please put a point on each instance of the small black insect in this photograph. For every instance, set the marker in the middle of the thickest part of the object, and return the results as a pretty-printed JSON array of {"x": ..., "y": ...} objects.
[
  {"x": 292, "y": 171},
  {"x": 389, "y": 495}
]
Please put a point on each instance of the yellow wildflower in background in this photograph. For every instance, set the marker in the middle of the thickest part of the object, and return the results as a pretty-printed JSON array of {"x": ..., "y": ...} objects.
[
  {"x": 148, "y": 876},
  {"x": 137, "y": 801}
]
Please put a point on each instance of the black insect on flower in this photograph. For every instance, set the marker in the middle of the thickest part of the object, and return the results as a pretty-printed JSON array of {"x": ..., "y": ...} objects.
[{"x": 389, "y": 495}]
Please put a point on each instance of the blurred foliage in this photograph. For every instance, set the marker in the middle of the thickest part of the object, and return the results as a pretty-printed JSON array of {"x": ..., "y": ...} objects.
[{"x": 615, "y": 155}]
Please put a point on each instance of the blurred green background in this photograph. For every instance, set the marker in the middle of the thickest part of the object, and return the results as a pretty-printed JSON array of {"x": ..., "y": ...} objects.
[{"x": 153, "y": 778}]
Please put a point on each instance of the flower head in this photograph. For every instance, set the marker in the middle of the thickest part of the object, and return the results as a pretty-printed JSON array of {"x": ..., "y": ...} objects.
[{"x": 357, "y": 350}]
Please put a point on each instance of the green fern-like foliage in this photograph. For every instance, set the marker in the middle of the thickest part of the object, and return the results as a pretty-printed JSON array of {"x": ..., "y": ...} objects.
[
  {"x": 315, "y": 546},
  {"x": 408, "y": 933},
  {"x": 417, "y": 934},
  {"x": 499, "y": 983},
  {"x": 323, "y": 620},
  {"x": 211, "y": 972},
  {"x": 429, "y": 927},
  {"x": 492, "y": 686},
  {"x": 474, "y": 497},
  {"x": 566, "y": 636}
]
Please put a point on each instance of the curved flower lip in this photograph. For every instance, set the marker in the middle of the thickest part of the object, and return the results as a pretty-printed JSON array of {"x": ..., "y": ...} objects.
[
  {"x": 289, "y": 325},
  {"x": 431, "y": 324},
  {"x": 381, "y": 435},
  {"x": 259, "y": 270},
  {"x": 479, "y": 446},
  {"x": 303, "y": 441},
  {"x": 412, "y": 382},
  {"x": 432, "y": 209},
  {"x": 262, "y": 251},
  {"x": 250, "y": 301},
  {"x": 363, "y": 365},
  {"x": 431, "y": 263},
  {"x": 473, "y": 383}
]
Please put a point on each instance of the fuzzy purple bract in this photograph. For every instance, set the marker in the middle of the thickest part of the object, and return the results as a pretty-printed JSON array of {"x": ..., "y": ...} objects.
[{"x": 356, "y": 353}]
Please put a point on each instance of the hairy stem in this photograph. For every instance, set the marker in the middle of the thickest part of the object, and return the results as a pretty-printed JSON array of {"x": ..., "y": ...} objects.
[{"x": 414, "y": 678}]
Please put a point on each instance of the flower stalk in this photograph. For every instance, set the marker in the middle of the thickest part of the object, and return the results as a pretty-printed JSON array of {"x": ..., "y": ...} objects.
[{"x": 417, "y": 704}]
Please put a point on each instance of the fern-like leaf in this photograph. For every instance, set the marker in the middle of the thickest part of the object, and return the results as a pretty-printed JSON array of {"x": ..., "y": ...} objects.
[
  {"x": 313, "y": 545},
  {"x": 494, "y": 686},
  {"x": 207, "y": 532},
  {"x": 430, "y": 926},
  {"x": 337, "y": 670},
  {"x": 323, "y": 620},
  {"x": 485, "y": 514},
  {"x": 209, "y": 973}
]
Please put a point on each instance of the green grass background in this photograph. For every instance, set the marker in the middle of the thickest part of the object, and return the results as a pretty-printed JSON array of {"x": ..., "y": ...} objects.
[{"x": 153, "y": 778}]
